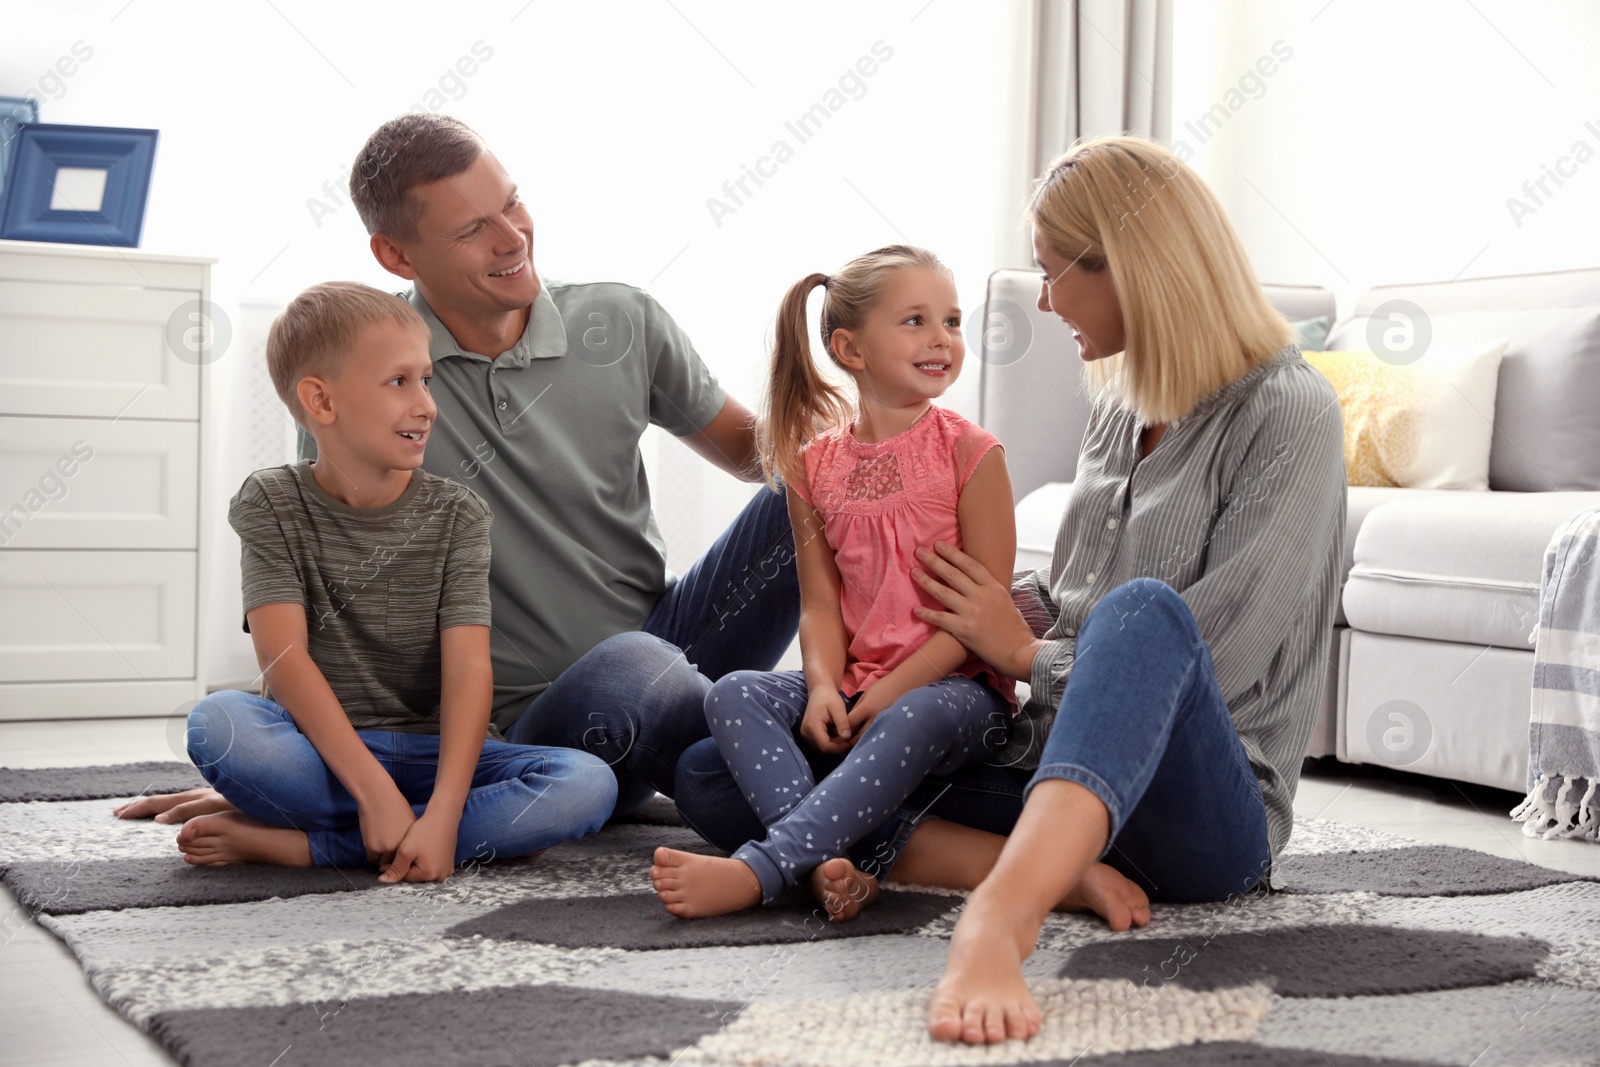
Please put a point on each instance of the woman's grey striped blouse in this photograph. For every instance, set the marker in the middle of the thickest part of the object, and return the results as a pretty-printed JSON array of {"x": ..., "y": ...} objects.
[{"x": 1241, "y": 509}]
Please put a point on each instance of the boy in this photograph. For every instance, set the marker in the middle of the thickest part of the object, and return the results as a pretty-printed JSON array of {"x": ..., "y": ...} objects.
[{"x": 366, "y": 595}]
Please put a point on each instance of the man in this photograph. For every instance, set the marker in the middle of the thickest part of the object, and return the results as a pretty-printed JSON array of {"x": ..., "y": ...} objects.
[{"x": 543, "y": 392}]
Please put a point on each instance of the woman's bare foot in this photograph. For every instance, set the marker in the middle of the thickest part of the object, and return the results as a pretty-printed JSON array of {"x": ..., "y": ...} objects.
[
  {"x": 841, "y": 889},
  {"x": 1111, "y": 895},
  {"x": 982, "y": 998},
  {"x": 694, "y": 886},
  {"x": 229, "y": 837},
  {"x": 174, "y": 807}
]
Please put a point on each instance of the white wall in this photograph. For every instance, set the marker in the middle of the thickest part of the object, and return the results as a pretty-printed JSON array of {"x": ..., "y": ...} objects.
[
  {"x": 1383, "y": 149},
  {"x": 620, "y": 120},
  {"x": 1386, "y": 147}
]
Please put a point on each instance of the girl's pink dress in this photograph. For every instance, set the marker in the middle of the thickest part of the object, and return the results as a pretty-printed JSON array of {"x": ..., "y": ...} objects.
[{"x": 879, "y": 503}]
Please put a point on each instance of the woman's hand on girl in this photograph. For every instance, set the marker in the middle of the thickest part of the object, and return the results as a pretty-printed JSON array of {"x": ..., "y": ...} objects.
[
  {"x": 826, "y": 724},
  {"x": 980, "y": 612}
]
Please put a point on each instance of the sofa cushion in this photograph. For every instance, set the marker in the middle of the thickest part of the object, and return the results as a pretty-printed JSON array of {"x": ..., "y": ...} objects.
[
  {"x": 1454, "y": 566},
  {"x": 1361, "y": 502},
  {"x": 1039, "y": 517},
  {"x": 1313, "y": 333},
  {"x": 1545, "y": 434},
  {"x": 1426, "y": 425}
]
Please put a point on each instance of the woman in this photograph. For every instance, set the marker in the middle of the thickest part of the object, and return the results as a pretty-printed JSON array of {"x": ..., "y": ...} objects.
[
  {"x": 1194, "y": 581},
  {"x": 1178, "y": 640}
]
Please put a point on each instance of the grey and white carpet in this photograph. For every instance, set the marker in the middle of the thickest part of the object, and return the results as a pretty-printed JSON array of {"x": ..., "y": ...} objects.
[{"x": 1381, "y": 952}]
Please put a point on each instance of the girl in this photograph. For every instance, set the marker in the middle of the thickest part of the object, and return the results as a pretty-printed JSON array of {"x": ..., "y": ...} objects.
[{"x": 893, "y": 695}]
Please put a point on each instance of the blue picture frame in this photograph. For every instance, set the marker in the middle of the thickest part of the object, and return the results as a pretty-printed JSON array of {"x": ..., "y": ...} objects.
[
  {"x": 14, "y": 111},
  {"x": 31, "y": 210}
]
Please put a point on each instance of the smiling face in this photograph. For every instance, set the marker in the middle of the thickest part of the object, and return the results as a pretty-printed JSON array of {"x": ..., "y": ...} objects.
[
  {"x": 1084, "y": 299},
  {"x": 473, "y": 252},
  {"x": 378, "y": 409},
  {"x": 910, "y": 349}
]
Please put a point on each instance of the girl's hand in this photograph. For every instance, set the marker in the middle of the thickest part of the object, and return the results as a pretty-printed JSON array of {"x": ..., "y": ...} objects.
[
  {"x": 865, "y": 710},
  {"x": 825, "y": 725},
  {"x": 981, "y": 613},
  {"x": 427, "y": 853}
]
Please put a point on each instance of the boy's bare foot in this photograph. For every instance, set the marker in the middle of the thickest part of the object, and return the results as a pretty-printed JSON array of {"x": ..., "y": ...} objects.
[
  {"x": 842, "y": 889},
  {"x": 229, "y": 837},
  {"x": 173, "y": 807},
  {"x": 982, "y": 998},
  {"x": 1111, "y": 895},
  {"x": 693, "y": 886}
]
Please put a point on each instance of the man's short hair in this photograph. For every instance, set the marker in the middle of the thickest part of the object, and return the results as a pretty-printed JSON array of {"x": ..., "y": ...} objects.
[
  {"x": 405, "y": 152},
  {"x": 319, "y": 327}
]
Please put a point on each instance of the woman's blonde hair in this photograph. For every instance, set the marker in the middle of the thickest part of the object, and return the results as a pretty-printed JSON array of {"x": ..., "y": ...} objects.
[
  {"x": 1194, "y": 314},
  {"x": 801, "y": 402}
]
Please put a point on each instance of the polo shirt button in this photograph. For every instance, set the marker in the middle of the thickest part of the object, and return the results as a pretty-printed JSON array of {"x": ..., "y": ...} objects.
[
  {"x": 1071, "y": 632},
  {"x": 1111, "y": 524},
  {"x": 1089, "y": 577},
  {"x": 501, "y": 405}
]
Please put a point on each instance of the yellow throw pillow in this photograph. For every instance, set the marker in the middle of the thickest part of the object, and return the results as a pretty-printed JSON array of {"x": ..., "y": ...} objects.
[{"x": 1425, "y": 425}]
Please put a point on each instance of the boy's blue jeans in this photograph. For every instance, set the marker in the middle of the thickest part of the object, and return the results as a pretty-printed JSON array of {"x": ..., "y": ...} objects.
[
  {"x": 1142, "y": 725},
  {"x": 637, "y": 700},
  {"x": 522, "y": 800}
]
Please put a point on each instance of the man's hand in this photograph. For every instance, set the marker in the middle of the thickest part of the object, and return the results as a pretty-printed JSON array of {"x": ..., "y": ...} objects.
[
  {"x": 384, "y": 825},
  {"x": 826, "y": 725},
  {"x": 427, "y": 853},
  {"x": 174, "y": 807},
  {"x": 981, "y": 613}
]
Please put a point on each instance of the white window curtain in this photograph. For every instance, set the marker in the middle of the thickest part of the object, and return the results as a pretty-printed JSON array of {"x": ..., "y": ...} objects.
[
  {"x": 1104, "y": 66},
  {"x": 1095, "y": 67}
]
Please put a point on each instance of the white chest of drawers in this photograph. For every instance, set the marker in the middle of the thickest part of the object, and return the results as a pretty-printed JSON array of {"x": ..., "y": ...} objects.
[{"x": 101, "y": 536}]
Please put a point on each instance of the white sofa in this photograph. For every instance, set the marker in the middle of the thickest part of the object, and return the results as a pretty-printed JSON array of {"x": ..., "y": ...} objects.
[{"x": 1430, "y": 659}]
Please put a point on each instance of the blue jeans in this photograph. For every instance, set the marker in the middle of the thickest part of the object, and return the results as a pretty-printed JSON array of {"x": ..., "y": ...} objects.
[
  {"x": 637, "y": 700},
  {"x": 522, "y": 799},
  {"x": 1142, "y": 725},
  {"x": 753, "y": 715}
]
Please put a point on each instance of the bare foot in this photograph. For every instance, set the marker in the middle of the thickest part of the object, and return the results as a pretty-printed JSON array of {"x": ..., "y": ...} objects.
[
  {"x": 174, "y": 807},
  {"x": 841, "y": 889},
  {"x": 1111, "y": 895},
  {"x": 982, "y": 998},
  {"x": 693, "y": 886},
  {"x": 229, "y": 837}
]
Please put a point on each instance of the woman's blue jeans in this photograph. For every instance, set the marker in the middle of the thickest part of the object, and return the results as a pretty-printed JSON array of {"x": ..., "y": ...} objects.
[
  {"x": 523, "y": 799},
  {"x": 1142, "y": 725}
]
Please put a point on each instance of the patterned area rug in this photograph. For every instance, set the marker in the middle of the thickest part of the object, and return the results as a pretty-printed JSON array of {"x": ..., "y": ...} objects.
[{"x": 1381, "y": 952}]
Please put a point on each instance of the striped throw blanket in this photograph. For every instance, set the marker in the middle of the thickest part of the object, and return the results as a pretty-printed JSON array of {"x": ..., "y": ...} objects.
[{"x": 1564, "y": 725}]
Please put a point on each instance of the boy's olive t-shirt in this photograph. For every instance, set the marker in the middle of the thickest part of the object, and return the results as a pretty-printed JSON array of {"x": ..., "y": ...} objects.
[
  {"x": 548, "y": 432},
  {"x": 378, "y": 584}
]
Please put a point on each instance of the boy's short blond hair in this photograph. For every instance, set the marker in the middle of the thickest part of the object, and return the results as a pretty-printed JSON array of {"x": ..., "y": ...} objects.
[{"x": 318, "y": 328}]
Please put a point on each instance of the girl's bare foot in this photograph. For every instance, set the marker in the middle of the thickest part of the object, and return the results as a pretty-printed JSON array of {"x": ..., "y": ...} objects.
[
  {"x": 694, "y": 886},
  {"x": 229, "y": 837},
  {"x": 841, "y": 889},
  {"x": 173, "y": 807},
  {"x": 1111, "y": 895},
  {"x": 982, "y": 998}
]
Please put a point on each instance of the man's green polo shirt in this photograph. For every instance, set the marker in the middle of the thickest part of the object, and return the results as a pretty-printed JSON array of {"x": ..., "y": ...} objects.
[{"x": 548, "y": 434}]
